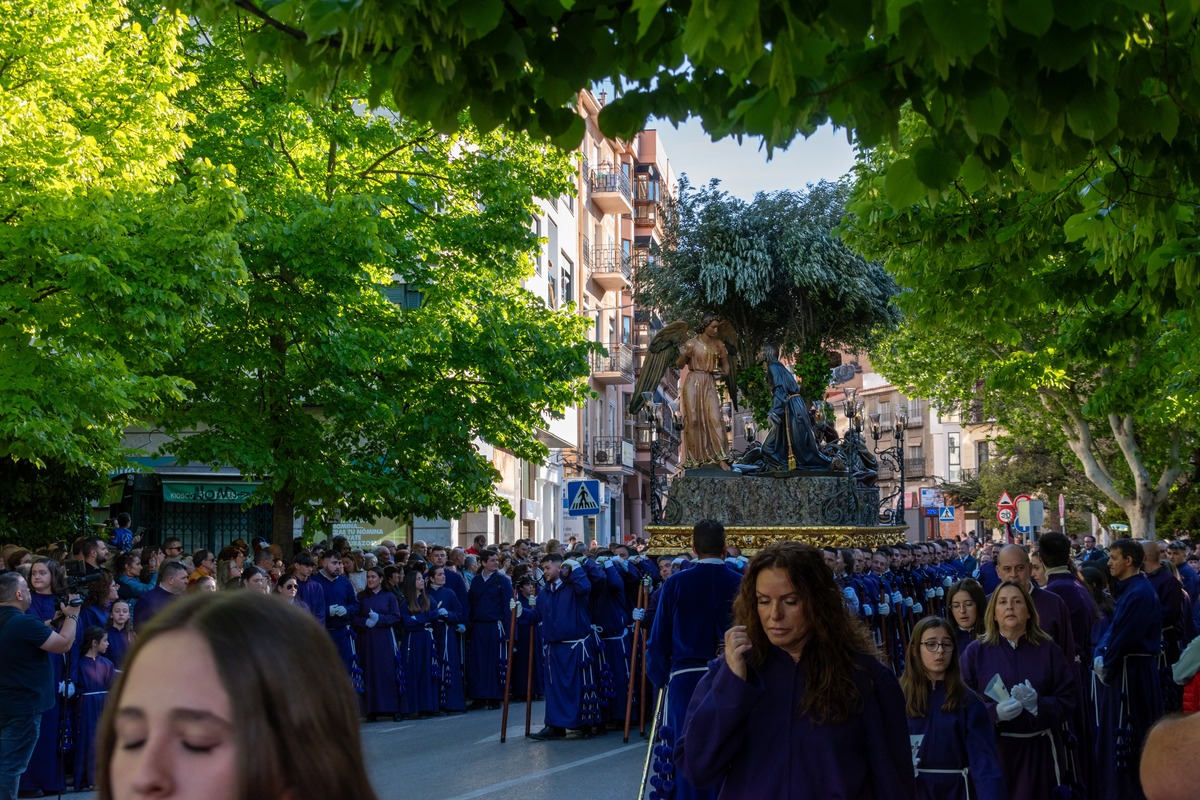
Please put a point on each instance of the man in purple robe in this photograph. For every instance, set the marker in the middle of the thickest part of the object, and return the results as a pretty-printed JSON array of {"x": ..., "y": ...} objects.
[
  {"x": 341, "y": 604},
  {"x": 172, "y": 583},
  {"x": 694, "y": 611},
  {"x": 1129, "y": 693},
  {"x": 490, "y": 593},
  {"x": 309, "y": 592},
  {"x": 1173, "y": 604},
  {"x": 566, "y": 630}
]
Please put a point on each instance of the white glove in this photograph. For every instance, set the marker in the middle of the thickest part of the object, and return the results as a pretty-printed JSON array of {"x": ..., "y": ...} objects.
[
  {"x": 372, "y": 622},
  {"x": 742, "y": 562},
  {"x": 337, "y": 611},
  {"x": 884, "y": 609},
  {"x": 1009, "y": 709},
  {"x": 443, "y": 612},
  {"x": 461, "y": 628},
  {"x": 602, "y": 560},
  {"x": 639, "y": 614},
  {"x": 532, "y": 601},
  {"x": 572, "y": 563},
  {"x": 1098, "y": 668},
  {"x": 975, "y": 574},
  {"x": 1027, "y": 695},
  {"x": 66, "y": 688},
  {"x": 918, "y": 608},
  {"x": 897, "y": 598},
  {"x": 929, "y": 595},
  {"x": 373, "y": 615},
  {"x": 868, "y": 611},
  {"x": 947, "y": 582},
  {"x": 940, "y": 591},
  {"x": 908, "y": 601},
  {"x": 513, "y": 605}
]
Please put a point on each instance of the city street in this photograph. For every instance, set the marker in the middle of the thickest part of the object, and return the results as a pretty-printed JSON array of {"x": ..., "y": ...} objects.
[{"x": 460, "y": 757}]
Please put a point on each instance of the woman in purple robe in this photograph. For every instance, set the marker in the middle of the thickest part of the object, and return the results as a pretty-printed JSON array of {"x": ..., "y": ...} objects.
[
  {"x": 374, "y": 622},
  {"x": 953, "y": 739},
  {"x": 966, "y": 605},
  {"x": 96, "y": 674},
  {"x": 1029, "y": 689},
  {"x": 101, "y": 594},
  {"x": 45, "y": 771},
  {"x": 800, "y": 705},
  {"x": 422, "y": 672},
  {"x": 120, "y": 632},
  {"x": 452, "y": 696}
]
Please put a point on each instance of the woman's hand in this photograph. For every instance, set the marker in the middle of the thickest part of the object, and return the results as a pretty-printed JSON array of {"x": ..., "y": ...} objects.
[{"x": 737, "y": 644}]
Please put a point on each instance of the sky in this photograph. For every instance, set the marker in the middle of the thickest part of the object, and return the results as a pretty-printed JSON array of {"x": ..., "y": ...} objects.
[{"x": 744, "y": 169}]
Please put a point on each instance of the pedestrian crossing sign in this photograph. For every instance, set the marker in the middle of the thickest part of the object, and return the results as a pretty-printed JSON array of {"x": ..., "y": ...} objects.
[
  {"x": 946, "y": 514},
  {"x": 583, "y": 498}
]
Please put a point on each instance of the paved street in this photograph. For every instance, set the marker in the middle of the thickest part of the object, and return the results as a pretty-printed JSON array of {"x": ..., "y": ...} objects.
[{"x": 460, "y": 757}]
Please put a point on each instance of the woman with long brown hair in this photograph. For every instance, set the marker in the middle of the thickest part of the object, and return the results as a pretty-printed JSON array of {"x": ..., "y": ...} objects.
[
  {"x": 800, "y": 706},
  {"x": 1030, "y": 690},
  {"x": 953, "y": 742},
  {"x": 417, "y": 653},
  {"x": 967, "y": 603}
]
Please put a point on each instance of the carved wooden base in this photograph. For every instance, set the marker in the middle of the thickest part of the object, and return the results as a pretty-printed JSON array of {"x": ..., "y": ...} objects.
[{"x": 670, "y": 540}]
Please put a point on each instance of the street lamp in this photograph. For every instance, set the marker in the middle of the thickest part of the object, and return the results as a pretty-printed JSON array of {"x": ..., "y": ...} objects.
[
  {"x": 894, "y": 456},
  {"x": 658, "y": 451}
]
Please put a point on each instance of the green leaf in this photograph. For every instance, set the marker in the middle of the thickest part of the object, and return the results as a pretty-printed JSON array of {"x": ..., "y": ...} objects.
[
  {"x": 962, "y": 27},
  {"x": 1092, "y": 114},
  {"x": 987, "y": 112},
  {"x": 1029, "y": 16},
  {"x": 904, "y": 188},
  {"x": 936, "y": 167}
]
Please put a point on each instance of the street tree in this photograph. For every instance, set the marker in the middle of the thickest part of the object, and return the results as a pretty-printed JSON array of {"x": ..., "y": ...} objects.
[
  {"x": 1003, "y": 307},
  {"x": 104, "y": 256},
  {"x": 774, "y": 269},
  {"x": 1098, "y": 95},
  {"x": 382, "y": 335}
]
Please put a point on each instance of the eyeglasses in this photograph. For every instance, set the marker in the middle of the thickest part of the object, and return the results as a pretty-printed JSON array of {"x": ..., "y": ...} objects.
[
  {"x": 937, "y": 647},
  {"x": 290, "y": 587}
]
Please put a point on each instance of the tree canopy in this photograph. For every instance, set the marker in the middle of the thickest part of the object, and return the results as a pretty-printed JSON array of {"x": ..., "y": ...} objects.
[
  {"x": 103, "y": 255},
  {"x": 774, "y": 269},
  {"x": 1096, "y": 98},
  {"x": 309, "y": 376}
]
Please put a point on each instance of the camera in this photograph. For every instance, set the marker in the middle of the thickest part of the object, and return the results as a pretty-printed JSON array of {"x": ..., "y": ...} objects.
[{"x": 76, "y": 584}]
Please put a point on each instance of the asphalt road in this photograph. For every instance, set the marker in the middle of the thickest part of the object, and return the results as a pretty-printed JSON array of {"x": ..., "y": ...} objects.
[{"x": 460, "y": 757}]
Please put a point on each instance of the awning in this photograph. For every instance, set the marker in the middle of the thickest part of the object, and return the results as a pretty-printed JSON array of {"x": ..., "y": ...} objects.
[
  {"x": 114, "y": 494},
  {"x": 234, "y": 492}
]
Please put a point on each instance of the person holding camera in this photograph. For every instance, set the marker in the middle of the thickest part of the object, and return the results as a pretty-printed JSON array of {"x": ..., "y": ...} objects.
[{"x": 26, "y": 675}]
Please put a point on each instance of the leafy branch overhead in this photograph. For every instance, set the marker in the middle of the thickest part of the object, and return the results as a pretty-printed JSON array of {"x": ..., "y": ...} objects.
[{"x": 1101, "y": 91}]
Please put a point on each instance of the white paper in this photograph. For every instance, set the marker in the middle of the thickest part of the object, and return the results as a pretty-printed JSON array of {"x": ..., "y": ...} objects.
[{"x": 995, "y": 689}]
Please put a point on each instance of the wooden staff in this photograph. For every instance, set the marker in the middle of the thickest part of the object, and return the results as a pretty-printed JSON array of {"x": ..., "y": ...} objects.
[
  {"x": 633, "y": 660},
  {"x": 529, "y": 678},
  {"x": 512, "y": 635}
]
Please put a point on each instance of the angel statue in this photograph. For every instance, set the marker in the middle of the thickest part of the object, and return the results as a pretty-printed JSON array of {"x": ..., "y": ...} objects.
[{"x": 707, "y": 357}]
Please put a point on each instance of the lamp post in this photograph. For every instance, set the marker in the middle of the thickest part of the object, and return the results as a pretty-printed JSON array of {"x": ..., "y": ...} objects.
[
  {"x": 893, "y": 455},
  {"x": 658, "y": 450}
]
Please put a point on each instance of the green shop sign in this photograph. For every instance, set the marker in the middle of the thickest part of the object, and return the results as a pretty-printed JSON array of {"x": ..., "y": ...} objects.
[{"x": 208, "y": 492}]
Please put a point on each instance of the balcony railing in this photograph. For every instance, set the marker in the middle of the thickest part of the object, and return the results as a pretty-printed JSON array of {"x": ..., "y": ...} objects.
[
  {"x": 914, "y": 467},
  {"x": 617, "y": 365},
  {"x": 611, "y": 182},
  {"x": 587, "y": 253},
  {"x": 611, "y": 261},
  {"x": 608, "y": 452},
  {"x": 645, "y": 189}
]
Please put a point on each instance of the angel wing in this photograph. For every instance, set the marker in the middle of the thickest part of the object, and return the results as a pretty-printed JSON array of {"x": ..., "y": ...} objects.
[
  {"x": 728, "y": 334},
  {"x": 661, "y": 354}
]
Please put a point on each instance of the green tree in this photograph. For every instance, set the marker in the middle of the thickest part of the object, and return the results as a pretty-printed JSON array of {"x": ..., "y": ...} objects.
[
  {"x": 775, "y": 270},
  {"x": 1099, "y": 92},
  {"x": 103, "y": 256},
  {"x": 310, "y": 378},
  {"x": 1002, "y": 306},
  {"x": 51, "y": 503}
]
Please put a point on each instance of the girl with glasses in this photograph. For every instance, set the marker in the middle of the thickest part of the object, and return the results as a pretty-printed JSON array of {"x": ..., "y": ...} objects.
[{"x": 953, "y": 742}]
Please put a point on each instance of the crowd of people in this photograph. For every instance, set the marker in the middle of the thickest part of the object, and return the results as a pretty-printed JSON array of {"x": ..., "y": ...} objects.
[{"x": 950, "y": 669}]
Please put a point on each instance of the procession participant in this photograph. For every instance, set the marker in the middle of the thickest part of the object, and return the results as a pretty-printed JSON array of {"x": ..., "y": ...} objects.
[
  {"x": 452, "y": 697},
  {"x": 421, "y": 677},
  {"x": 799, "y": 706},
  {"x": 611, "y": 617},
  {"x": 1177, "y": 552},
  {"x": 1029, "y": 688},
  {"x": 374, "y": 622},
  {"x": 528, "y": 643},
  {"x": 967, "y": 604},
  {"x": 309, "y": 592},
  {"x": 222, "y": 671},
  {"x": 120, "y": 632},
  {"x": 989, "y": 577},
  {"x": 340, "y": 606},
  {"x": 693, "y": 612},
  {"x": 1053, "y": 616},
  {"x": 1173, "y": 607},
  {"x": 487, "y": 654},
  {"x": 440, "y": 557},
  {"x": 952, "y": 736},
  {"x": 96, "y": 675},
  {"x": 101, "y": 593},
  {"x": 566, "y": 628},
  {"x": 1129, "y": 695}
]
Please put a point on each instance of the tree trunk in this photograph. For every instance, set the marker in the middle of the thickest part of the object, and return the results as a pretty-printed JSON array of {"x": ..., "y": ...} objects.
[
  {"x": 283, "y": 519},
  {"x": 1141, "y": 520}
]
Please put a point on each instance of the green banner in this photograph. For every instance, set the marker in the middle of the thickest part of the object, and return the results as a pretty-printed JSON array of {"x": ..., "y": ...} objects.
[{"x": 196, "y": 492}]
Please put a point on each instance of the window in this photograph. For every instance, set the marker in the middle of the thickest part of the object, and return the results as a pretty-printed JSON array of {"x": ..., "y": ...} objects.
[
  {"x": 552, "y": 242},
  {"x": 981, "y": 454},
  {"x": 537, "y": 231},
  {"x": 954, "y": 457},
  {"x": 567, "y": 272},
  {"x": 626, "y": 330}
]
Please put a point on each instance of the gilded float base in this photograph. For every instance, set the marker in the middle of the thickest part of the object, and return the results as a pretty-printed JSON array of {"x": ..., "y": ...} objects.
[{"x": 669, "y": 540}]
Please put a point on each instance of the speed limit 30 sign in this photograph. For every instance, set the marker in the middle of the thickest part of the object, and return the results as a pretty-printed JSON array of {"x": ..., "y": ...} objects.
[{"x": 1006, "y": 515}]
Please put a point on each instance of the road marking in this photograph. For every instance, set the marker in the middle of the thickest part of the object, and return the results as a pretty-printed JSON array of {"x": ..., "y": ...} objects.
[
  {"x": 513, "y": 730},
  {"x": 499, "y": 787},
  {"x": 392, "y": 730}
]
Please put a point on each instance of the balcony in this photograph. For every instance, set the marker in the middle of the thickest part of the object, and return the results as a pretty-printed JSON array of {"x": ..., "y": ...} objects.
[
  {"x": 612, "y": 455},
  {"x": 645, "y": 188},
  {"x": 610, "y": 190},
  {"x": 615, "y": 368},
  {"x": 646, "y": 214},
  {"x": 914, "y": 467},
  {"x": 612, "y": 268}
]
